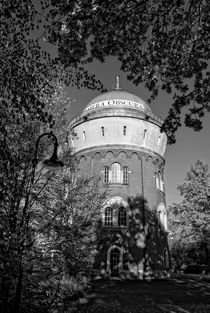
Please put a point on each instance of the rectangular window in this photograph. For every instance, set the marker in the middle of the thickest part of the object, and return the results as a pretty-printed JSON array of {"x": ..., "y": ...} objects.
[
  {"x": 102, "y": 131},
  {"x": 125, "y": 175},
  {"x": 124, "y": 130},
  {"x": 161, "y": 183},
  {"x": 122, "y": 217},
  {"x": 84, "y": 135},
  {"x": 106, "y": 175}
]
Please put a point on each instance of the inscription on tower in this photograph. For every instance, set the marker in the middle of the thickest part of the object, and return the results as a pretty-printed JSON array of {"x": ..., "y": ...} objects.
[{"x": 115, "y": 102}]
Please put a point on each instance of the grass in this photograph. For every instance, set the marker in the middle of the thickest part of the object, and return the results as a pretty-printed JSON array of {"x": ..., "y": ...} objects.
[{"x": 183, "y": 294}]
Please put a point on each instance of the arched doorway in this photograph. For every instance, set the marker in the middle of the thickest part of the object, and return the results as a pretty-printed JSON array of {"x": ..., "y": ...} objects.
[{"x": 114, "y": 262}]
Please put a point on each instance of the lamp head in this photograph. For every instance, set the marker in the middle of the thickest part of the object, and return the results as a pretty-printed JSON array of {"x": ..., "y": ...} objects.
[{"x": 53, "y": 163}]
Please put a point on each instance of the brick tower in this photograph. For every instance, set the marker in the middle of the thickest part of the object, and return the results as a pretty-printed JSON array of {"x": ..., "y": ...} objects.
[{"x": 119, "y": 139}]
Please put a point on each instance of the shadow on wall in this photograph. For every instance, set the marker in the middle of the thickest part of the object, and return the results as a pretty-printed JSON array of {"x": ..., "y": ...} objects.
[{"x": 137, "y": 250}]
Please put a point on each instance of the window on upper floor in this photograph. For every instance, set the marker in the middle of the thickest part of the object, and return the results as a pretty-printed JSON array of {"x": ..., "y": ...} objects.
[
  {"x": 115, "y": 217},
  {"x": 106, "y": 174},
  {"x": 102, "y": 131},
  {"x": 115, "y": 173},
  {"x": 122, "y": 217},
  {"x": 125, "y": 175},
  {"x": 159, "y": 184},
  {"x": 108, "y": 217}
]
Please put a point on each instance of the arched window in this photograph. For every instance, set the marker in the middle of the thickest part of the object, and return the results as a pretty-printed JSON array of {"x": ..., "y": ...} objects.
[
  {"x": 166, "y": 259},
  {"x": 115, "y": 212},
  {"x": 116, "y": 173},
  {"x": 108, "y": 219},
  {"x": 125, "y": 175},
  {"x": 114, "y": 261},
  {"x": 106, "y": 174},
  {"x": 162, "y": 216},
  {"x": 159, "y": 184},
  {"x": 122, "y": 217}
]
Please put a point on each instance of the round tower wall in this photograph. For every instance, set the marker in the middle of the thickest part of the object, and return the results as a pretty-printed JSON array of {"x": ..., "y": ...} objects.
[
  {"x": 142, "y": 168},
  {"x": 119, "y": 130}
]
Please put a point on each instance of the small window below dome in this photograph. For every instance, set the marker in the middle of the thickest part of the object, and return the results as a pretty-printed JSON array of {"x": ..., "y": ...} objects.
[
  {"x": 159, "y": 140},
  {"x": 124, "y": 130},
  {"x": 84, "y": 135},
  {"x": 157, "y": 182},
  {"x": 145, "y": 134},
  {"x": 102, "y": 131}
]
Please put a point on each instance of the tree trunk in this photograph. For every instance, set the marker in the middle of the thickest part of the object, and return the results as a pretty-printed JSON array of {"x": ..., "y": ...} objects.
[
  {"x": 207, "y": 257},
  {"x": 18, "y": 290}
]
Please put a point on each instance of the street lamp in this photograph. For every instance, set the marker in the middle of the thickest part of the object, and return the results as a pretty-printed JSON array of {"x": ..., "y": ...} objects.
[{"x": 54, "y": 164}]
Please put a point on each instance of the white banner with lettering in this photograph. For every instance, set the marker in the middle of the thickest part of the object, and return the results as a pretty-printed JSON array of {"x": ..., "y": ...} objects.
[{"x": 116, "y": 102}]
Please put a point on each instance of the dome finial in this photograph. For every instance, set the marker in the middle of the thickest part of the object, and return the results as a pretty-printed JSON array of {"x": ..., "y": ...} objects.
[{"x": 117, "y": 83}]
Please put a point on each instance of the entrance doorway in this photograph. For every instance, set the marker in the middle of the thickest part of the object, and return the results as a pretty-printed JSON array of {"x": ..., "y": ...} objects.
[{"x": 114, "y": 262}]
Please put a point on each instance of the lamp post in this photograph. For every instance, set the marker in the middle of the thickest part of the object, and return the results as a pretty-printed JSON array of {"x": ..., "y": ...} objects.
[{"x": 54, "y": 164}]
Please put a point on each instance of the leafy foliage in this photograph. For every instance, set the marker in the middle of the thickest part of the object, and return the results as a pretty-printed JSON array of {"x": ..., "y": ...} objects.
[
  {"x": 64, "y": 223},
  {"x": 164, "y": 44},
  {"x": 35, "y": 214},
  {"x": 27, "y": 69},
  {"x": 190, "y": 219}
]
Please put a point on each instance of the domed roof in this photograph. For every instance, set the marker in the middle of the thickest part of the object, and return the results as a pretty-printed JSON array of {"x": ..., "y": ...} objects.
[{"x": 118, "y": 98}]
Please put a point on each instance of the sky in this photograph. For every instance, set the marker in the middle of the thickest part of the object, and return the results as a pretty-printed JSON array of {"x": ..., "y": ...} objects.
[{"x": 190, "y": 145}]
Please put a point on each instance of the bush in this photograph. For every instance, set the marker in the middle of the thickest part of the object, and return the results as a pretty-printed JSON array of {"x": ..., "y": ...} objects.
[{"x": 195, "y": 269}]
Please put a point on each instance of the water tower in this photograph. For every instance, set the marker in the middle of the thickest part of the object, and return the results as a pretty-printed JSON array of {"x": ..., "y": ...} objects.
[{"x": 119, "y": 139}]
